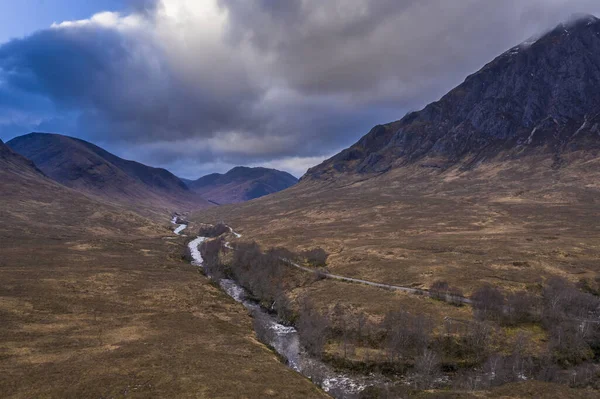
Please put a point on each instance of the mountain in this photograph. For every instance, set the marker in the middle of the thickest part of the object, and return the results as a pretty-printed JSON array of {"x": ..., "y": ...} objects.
[
  {"x": 497, "y": 182},
  {"x": 495, "y": 185},
  {"x": 541, "y": 97},
  {"x": 88, "y": 168},
  {"x": 242, "y": 184},
  {"x": 33, "y": 206}
]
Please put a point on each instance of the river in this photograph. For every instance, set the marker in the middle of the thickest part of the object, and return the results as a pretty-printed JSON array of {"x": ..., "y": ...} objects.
[{"x": 285, "y": 340}]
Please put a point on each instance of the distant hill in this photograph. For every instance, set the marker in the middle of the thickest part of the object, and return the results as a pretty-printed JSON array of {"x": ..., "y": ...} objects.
[
  {"x": 88, "y": 168},
  {"x": 33, "y": 205},
  {"x": 540, "y": 98},
  {"x": 241, "y": 184}
]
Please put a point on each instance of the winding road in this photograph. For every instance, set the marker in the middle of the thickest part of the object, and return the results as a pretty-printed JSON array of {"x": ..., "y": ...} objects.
[
  {"x": 416, "y": 291},
  {"x": 410, "y": 290}
]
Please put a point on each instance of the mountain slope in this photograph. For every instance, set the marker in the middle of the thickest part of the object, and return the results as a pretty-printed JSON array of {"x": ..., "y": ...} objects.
[
  {"x": 33, "y": 205},
  {"x": 10, "y": 161},
  {"x": 503, "y": 170},
  {"x": 242, "y": 184},
  {"x": 541, "y": 97},
  {"x": 90, "y": 169}
]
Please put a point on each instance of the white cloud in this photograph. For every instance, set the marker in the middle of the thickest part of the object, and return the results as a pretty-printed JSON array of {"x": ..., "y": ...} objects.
[{"x": 105, "y": 20}]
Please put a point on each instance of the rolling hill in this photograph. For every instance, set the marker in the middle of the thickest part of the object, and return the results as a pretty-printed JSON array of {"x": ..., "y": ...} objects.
[{"x": 241, "y": 184}]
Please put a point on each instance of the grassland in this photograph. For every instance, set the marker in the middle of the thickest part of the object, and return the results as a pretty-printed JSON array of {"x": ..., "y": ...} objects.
[
  {"x": 94, "y": 302},
  {"x": 512, "y": 224},
  {"x": 412, "y": 227}
]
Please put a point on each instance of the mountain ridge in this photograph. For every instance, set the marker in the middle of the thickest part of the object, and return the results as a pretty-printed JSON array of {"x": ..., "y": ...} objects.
[
  {"x": 510, "y": 108},
  {"x": 89, "y": 168}
]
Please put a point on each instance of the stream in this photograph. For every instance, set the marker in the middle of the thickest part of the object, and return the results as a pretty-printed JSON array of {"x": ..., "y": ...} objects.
[{"x": 285, "y": 340}]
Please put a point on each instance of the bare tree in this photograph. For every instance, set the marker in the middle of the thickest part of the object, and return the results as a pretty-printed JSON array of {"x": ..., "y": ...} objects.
[
  {"x": 407, "y": 335},
  {"x": 521, "y": 307},
  {"x": 427, "y": 369},
  {"x": 488, "y": 303},
  {"x": 478, "y": 339},
  {"x": 313, "y": 328}
]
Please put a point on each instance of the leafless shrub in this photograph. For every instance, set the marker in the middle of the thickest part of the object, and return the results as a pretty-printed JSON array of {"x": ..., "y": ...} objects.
[
  {"x": 283, "y": 253},
  {"x": 313, "y": 328},
  {"x": 584, "y": 375},
  {"x": 181, "y": 220},
  {"x": 407, "y": 335},
  {"x": 319, "y": 275},
  {"x": 187, "y": 254},
  {"x": 488, "y": 303},
  {"x": 283, "y": 307},
  {"x": 427, "y": 369},
  {"x": 571, "y": 317},
  {"x": 478, "y": 339},
  {"x": 521, "y": 307},
  {"x": 261, "y": 327}
]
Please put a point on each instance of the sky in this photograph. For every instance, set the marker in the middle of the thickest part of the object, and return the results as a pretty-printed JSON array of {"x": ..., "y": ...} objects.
[{"x": 201, "y": 86}]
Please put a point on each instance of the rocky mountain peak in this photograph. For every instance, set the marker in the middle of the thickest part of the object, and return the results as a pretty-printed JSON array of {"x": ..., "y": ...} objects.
[{"x": 542, "y": 96}]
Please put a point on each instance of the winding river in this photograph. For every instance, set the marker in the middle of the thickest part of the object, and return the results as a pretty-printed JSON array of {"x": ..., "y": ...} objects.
[{"x": 285, "y": 340}]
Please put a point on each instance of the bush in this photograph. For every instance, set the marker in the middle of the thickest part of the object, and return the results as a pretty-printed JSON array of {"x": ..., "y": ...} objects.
[
  {"x": 571, "y": 318},
  {"x": 427, "y": 369},
  {"x": 283, "y": 253},
  {"x": 316, "y": 257},
  {"x": 210, "y": 250},
  {"x": 521, "y": 307},
  {"x": 407, "y": 335},
  {"x": 261, "y": 326},
  {"x": 488, "y": 303}
]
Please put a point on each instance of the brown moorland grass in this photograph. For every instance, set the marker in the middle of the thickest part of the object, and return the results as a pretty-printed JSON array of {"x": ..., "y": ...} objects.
[
  {"x": 511, "y": 225},
  {"x": 93, "y": 318},
  {"x": 95, "y": 302}
]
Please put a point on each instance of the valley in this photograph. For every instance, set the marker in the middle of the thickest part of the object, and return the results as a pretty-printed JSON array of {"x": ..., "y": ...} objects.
[
  {"x": 452, "y": 253},
  {"x": 96, "y": 301}
]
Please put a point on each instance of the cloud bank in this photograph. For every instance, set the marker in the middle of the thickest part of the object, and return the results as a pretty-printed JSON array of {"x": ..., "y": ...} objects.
[{"x": 201, "y": 86}]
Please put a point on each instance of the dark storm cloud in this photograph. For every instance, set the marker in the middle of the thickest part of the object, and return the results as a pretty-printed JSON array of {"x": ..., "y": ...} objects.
[{"x": 201, "y": 85}]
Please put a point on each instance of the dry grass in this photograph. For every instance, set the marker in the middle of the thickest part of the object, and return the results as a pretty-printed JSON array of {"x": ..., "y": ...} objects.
[
  {"x": 510, "y": 224},
  {"x": 95, "y": 303},
  {"x": 412, "y": 227},
  {"x": 106, "y": 322}
]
